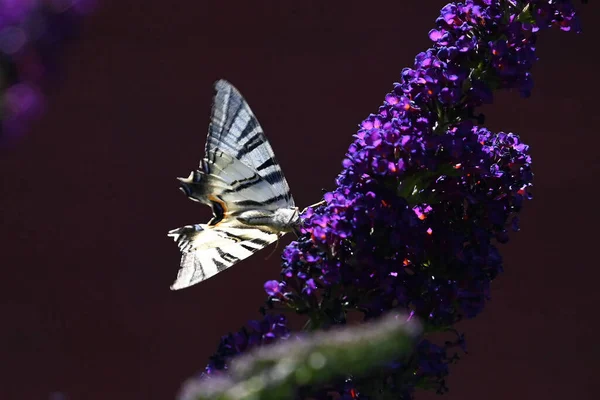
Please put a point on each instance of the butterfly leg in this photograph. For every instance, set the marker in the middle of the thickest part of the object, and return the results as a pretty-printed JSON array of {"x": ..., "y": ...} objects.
[{"x": 274, "y": 249}]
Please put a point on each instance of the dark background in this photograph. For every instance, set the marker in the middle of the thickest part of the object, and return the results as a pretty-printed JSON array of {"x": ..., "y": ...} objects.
[{"x": 89, "y": 194}]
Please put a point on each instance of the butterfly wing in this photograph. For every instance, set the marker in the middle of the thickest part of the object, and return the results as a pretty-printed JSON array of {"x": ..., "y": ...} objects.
[
  {"x": 234, "y": 130},
  {"x": 239, "y": 175},
  {"x": 208, "y": 250}
]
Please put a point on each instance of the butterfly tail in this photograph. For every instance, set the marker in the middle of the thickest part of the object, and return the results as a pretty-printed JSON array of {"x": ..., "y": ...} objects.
[{"x": 200, "y": 186}]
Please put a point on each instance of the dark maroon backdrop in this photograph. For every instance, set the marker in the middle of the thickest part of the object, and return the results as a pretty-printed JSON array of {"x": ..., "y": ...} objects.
[{"x": 89, "y": 194}]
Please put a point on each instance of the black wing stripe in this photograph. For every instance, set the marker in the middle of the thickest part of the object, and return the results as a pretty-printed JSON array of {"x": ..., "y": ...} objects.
[
  {"x": 269, "y": 162},
  {"x": 240, "y": 185},
  {"x": 237, "y": 186},
  {"x": 252, "y": 144},
  {"x": 249, "y": 248},
  {"x": 273, "y": 177},
  {"x": 253, "y": 203},
  {"x": 220, "y": 266},
  {"x": 230, "y": 258},
  {"x": 248, "y": 129},
  {"x": 260, "y": 242}
]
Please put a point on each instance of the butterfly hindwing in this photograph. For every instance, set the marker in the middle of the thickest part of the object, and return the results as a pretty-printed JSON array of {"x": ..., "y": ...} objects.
[{"x": 207, "y": 250}]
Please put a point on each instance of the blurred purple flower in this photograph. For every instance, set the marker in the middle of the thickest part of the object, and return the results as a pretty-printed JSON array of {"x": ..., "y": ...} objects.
[{"x": 32, "y": 34}]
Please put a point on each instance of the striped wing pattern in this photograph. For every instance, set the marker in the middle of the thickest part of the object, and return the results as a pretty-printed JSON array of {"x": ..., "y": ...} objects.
[{"x": 238, "y": 174}]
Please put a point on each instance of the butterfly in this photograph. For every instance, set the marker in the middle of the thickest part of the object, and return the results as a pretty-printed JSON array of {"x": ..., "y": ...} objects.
[{"x": 240, "y": 179}]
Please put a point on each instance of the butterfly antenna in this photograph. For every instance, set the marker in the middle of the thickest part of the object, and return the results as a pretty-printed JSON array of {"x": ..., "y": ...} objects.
[
  {"x": 322, "y": 202},
  {"x": 275, "y": 248}
]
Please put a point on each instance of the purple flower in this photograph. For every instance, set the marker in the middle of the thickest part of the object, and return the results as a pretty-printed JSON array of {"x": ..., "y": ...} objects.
[
  {"x": 272, "y": 288},
  {"x": 310, "y": 286}
]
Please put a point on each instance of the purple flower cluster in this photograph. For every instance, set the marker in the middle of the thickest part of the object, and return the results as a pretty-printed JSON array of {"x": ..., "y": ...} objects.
[
  {"x": 417, "y": 237},
  {"x": 32, "y": 33},
  {"x": 426, "y": 191}
]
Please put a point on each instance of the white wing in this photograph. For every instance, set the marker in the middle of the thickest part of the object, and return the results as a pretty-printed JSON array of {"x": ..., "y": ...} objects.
[{"x": 207, "y": 250}]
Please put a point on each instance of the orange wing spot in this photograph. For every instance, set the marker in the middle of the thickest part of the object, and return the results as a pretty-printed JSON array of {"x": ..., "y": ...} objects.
[
  {"x": 406, "y": 262},
  {"x": 218, "y": 200}
]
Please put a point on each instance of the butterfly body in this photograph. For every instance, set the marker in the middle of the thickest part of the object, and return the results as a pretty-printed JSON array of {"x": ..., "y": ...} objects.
[
  {"x": 283, "y": 220},
  {"x": 240, "y": 179}
]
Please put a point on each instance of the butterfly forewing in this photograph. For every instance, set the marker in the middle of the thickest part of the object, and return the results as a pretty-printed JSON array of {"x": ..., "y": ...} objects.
[{"x": 235, "y": 130}]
